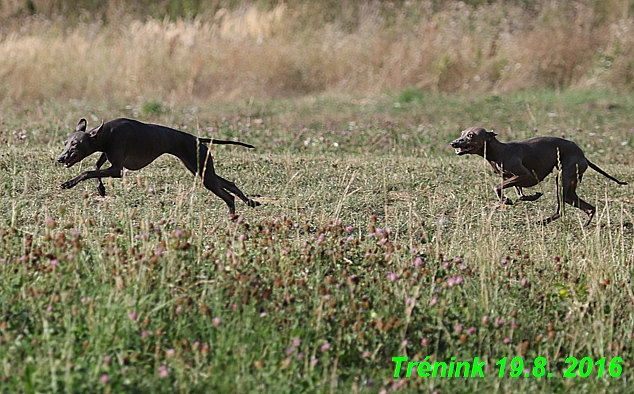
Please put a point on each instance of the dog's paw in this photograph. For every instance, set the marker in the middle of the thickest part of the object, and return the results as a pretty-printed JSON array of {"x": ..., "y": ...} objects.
[
  {"x": 531, "y": 197},
  {"x": 253, "y": 203},
  {"x": 67, "y": 185},
  {"x": 101, "y": 189},
  {"x": 549, "y": 220}
]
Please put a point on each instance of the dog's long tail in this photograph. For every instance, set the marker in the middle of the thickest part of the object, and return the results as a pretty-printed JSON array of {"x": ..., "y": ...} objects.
[
  {"x": 600, "y": 171},
  {"x": 223, "y": 142}
]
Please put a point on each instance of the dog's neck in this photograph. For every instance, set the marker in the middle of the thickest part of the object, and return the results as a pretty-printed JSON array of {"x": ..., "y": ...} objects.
[
  {"x": 492, "y": 149},
  {"x": 100, "y": 141}
]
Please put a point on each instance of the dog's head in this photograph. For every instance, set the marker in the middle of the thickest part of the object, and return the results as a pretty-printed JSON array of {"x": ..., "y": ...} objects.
[
  {"x": 79, "y": 144},
  {"x": 472, "y": 141}
]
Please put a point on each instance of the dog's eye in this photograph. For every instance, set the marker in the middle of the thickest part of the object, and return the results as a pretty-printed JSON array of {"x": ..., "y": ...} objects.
[{"x": 470, "y": 135}]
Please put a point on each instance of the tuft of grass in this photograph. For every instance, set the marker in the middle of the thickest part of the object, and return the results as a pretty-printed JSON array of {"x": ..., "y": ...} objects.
[
  {"x": 410, "y": 95},
  {"x": 152, "y": 108}
]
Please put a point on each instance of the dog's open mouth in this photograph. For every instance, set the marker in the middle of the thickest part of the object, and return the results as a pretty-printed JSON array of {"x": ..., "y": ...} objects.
[
  {"x": 71, "y": 160},
  {"x": 464, "y": 149}
]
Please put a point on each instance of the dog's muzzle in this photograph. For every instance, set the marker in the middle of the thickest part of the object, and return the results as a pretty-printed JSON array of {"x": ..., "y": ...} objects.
[
  {"x": 68, "y": 161},
  {"x": 461, "y": 148}
]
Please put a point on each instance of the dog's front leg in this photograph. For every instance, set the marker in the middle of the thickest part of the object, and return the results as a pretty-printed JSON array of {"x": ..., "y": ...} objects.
[
  {"x": 522, "y": 197},
  {"x": 500, "y": 193},
  {"x": 557, "y": 213},
  {"x": 112, "y": 172},
  {"x": 513, "y": 181},
  {"x": 101, "y": 189}
]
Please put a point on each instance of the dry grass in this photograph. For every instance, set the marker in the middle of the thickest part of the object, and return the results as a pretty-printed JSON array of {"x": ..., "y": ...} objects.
[{"x": 283, "y": 51}]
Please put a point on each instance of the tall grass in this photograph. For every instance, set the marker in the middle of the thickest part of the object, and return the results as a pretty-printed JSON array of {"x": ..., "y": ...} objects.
[{"x": 264, "y": 51}]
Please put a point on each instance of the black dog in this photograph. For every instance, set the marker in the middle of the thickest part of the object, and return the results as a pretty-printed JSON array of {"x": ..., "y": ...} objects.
[{"x": 130, "y": 144}]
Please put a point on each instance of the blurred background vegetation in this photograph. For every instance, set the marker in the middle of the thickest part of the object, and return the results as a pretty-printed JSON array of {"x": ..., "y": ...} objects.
[
  {"x": 330, "y": 9},
  {"x": 192, "y": 50}
]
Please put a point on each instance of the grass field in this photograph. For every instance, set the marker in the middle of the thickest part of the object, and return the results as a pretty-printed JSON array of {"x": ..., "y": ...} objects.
[{"x": 373, "y": 241}]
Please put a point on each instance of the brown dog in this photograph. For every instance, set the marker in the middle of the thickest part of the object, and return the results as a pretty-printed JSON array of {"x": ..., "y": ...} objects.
[{"x": 526, "y": 163}]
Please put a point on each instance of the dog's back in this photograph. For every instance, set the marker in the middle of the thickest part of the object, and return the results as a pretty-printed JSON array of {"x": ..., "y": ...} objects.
[
  {"x": 551, "y": 143},
  {"x": 542, "y": 154}
]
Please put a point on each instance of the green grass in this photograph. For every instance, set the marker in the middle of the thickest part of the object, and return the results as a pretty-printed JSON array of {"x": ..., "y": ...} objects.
[
  {"x": 373, "y": 238},
  {"x": 152, "y": 108}
]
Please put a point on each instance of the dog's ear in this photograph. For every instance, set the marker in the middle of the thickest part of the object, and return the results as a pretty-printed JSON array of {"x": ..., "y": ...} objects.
[
  {"x": 490, "y": 135},
  {"x": 95, "y": 132},
  {"x": 81, "y": 125}
]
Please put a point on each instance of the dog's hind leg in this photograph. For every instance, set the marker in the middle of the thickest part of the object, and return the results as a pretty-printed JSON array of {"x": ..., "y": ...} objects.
[
  {"x": 206, "y": 172},
  {"x": 213, "y": 184},
  {"x": 584, "y": 206},
  {"x": 212, "y": 181},
  {"x": 571, "y": 175},
  {"x": 571, "y": 197},
  {"x": 230, "y": 186}
]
